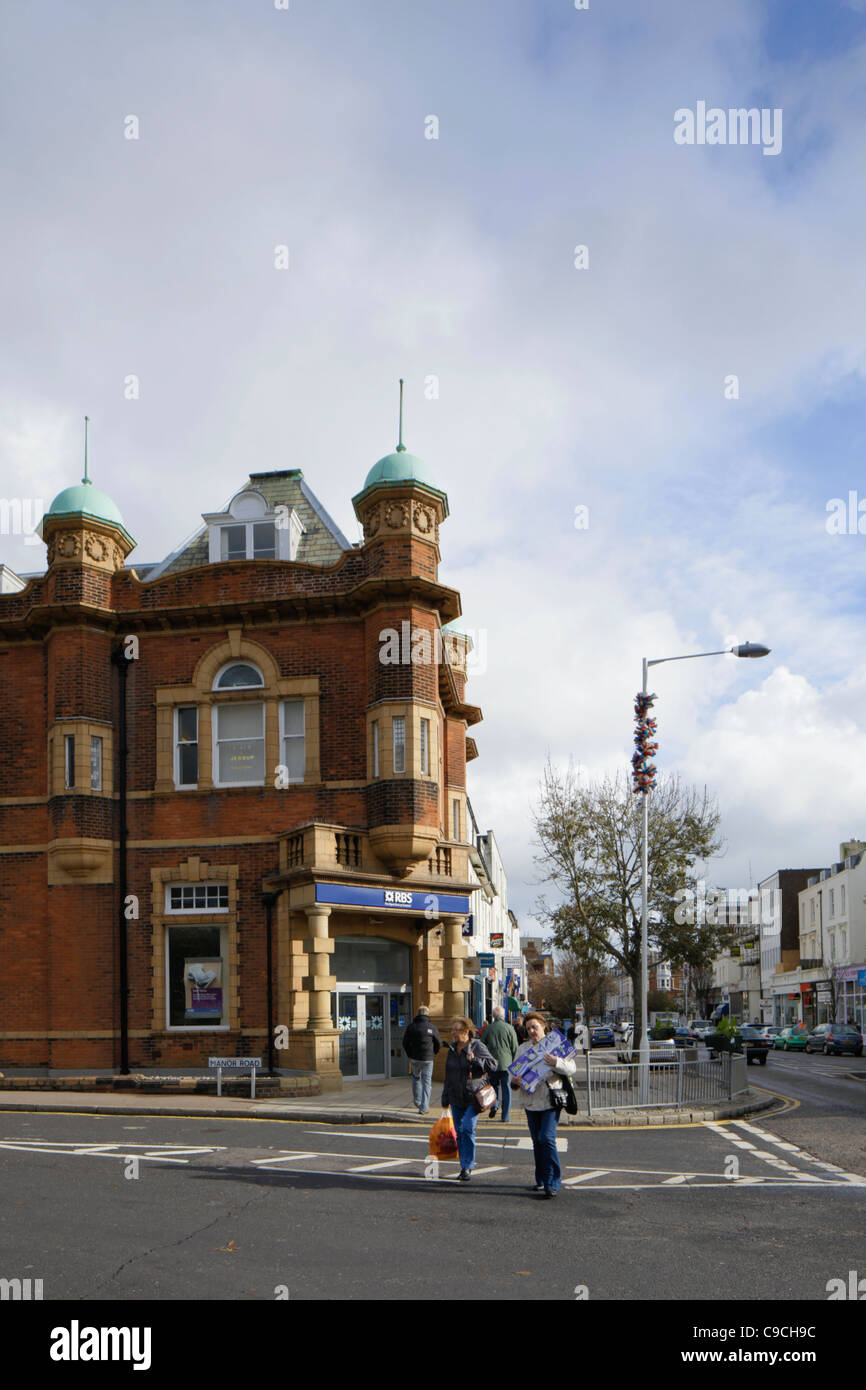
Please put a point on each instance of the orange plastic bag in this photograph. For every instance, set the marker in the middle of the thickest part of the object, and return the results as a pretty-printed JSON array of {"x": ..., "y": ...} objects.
[{"x": 443, "y": 1136}]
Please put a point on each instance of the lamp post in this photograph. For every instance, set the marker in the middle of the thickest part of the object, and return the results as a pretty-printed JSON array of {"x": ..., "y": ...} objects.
[{"x": 746, "y": 649}]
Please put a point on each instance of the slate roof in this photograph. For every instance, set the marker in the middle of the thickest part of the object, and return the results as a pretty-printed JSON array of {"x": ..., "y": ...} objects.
[{"x": 322, "y": 543}]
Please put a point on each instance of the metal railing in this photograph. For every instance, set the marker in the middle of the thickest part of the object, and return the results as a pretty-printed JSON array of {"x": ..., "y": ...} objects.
[{"x": 670, "y": 1083}]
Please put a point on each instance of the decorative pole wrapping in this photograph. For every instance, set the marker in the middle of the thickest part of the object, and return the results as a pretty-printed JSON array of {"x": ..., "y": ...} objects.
[{"x": 643, "y": 771}]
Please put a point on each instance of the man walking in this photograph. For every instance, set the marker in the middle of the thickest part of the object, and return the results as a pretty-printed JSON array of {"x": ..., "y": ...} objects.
[
  {"x": 421, "y": 1042},
  {"x": 501, "y": 1042}
]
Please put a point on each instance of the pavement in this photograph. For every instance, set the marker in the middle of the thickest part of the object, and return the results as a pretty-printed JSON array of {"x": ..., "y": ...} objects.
[{"x": 364, "y": 1102}]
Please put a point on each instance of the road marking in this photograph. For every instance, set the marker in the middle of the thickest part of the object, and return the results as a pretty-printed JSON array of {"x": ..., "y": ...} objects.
[
  {"x": 585, "y": 1177},
  {"x": 385, "y": 1163},
  {"x": 768, "y": 1138},
  {"x": 680, "y": 1177},
  {"x": 283, "y": 1158},
  {"x": 526, "y": 1143}
]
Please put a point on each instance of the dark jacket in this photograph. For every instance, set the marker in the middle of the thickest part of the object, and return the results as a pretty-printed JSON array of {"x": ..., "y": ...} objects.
[
  {"x": 421, "y": 1041},
  {"x": 465, "y": 1071},
  {"x": 501, "y": 1042}
]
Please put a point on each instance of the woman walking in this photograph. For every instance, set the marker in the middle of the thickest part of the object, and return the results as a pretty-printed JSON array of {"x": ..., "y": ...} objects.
[
  {"x": 542, "y": 1113},
  {"x": 466, "y": 1069}
]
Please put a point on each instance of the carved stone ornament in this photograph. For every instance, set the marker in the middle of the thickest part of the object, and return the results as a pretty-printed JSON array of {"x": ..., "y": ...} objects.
[
  {"x": 395, "y": 515},
  {"x": 66, "y": 546},
  {"x": 424, "y": 519},
  {"x": 96, "y": 548},
  {"x": 372, "y": 521}
]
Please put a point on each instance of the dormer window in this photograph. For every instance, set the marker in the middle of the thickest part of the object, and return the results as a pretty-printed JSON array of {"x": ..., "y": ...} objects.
[{"x": 250, "y": 530}]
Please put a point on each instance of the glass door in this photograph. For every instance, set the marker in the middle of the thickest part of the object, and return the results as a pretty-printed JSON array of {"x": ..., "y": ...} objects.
[
  {"x": 362, "y": 1024},
  {"x": 347, "y": 1021},
  {"x": 374, "y": 1035}
]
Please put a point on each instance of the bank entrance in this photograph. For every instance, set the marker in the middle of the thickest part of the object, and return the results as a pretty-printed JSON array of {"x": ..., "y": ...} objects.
[{"x": 372, "y": 1006}]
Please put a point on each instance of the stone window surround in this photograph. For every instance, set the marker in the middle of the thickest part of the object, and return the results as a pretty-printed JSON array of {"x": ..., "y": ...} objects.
[
  {"x": 201, "y": 694},
  {"x": 413, "y": 711},
  {"x": 82, "y": 730},
  {"x": 193, "y": 870}
]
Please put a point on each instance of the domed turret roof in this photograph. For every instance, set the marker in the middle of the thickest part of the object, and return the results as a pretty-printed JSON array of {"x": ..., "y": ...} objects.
[
  {"x": 400, "y": 467},
  {"x": 86, "y": 498}
]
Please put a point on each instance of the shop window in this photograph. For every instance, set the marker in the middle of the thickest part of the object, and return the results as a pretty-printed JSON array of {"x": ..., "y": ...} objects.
[
  {"x": 239, "y": 745},
  {"x": 197, "y": 977},
  {"x": 95, "y": 763},
  {"x": 186, "y": 747},
  {"x": 197, "y": 897},
  {"x": 293, "y": 738}
]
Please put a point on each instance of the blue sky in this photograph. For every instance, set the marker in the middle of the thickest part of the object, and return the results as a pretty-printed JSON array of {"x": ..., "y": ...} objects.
[{"x": 602, "y": 386}]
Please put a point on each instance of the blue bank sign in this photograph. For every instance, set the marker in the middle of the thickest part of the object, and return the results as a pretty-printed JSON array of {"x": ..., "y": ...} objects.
[{"x": 345, "y": 895}]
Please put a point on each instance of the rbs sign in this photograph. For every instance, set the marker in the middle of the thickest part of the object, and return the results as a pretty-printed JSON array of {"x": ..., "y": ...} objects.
[{"x": 396, "y": 898}]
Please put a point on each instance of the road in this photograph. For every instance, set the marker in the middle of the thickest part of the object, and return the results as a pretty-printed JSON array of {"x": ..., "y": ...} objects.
[{"x": 128, "y": 1208}]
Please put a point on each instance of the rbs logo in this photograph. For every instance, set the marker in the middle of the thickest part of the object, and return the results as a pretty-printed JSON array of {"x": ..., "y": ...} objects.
[{"x": 393, "y": 896}]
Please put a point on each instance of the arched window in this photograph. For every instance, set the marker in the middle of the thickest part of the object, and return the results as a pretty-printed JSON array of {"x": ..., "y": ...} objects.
[{"x": 239, "y": 676}]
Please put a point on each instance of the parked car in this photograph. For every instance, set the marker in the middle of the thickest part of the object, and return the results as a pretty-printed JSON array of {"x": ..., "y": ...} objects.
[
  {"x": 834, "y": 1039},
  {"x": 793, "y": 1037},
  {"x": 602, "y": 1037},
  {"x": 684, "y": 1037},
  {"x": 701, "y": 1029},
  {"x": 769, "y": 1031}
]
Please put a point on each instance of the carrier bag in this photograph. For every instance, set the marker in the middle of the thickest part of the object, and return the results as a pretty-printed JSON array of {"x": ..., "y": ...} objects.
[{"x": 443, "y": 1136}]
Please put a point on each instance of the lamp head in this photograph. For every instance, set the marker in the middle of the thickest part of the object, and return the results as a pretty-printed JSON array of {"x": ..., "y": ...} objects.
[{"x": 751, "y": 649}]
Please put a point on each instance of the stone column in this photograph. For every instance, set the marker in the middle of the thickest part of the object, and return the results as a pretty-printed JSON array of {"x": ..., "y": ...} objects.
[
  {"x": 320, "y": 982},
  {"x": 454, "y": 985}
]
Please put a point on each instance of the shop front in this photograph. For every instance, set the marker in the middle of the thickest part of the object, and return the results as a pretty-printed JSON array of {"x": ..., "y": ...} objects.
[{"x": 851, "y": 997}]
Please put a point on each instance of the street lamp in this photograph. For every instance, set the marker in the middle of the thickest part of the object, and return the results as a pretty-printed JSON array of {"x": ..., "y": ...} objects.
[{"x": 745, "y": 649}]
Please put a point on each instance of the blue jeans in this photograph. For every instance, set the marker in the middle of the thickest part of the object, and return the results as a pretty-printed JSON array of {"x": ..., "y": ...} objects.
[
  {"x": 542, "y": 1127},
  {"x": 422, "y": 1081},
  {"x": 501, "y": 1082},
  {"x": 465, "y": 1120}
]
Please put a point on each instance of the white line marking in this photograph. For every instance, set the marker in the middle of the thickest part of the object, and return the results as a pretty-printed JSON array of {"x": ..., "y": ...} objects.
[
  {"x": 670, "y": 1182},
  {"x": 854, "y": 1178},
  {"x": 585, "y": 1177},
  {"x": 385, "y": 1163},
  {"x": 526, "y": 1143}
]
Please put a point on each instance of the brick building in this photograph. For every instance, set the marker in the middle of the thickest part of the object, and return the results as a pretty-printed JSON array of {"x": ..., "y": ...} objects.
[{"x": 295, "y": 754}]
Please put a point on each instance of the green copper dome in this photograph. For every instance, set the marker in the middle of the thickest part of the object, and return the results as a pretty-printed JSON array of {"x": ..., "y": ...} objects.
[
  {"x": 84, "y": 497},
  {"x": 400, "y": 467}
]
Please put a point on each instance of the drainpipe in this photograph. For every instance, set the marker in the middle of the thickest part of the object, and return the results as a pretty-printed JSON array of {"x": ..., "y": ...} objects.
[
  {"x": 119, "y": 660},
  {"x": 269, "y": 899}
]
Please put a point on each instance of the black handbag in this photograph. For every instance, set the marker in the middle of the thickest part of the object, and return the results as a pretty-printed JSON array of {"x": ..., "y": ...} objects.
[{"x": 564, "y": 1097}]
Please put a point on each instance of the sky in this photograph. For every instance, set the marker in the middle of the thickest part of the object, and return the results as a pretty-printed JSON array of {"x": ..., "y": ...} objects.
[{"x": 696, "y": 383}]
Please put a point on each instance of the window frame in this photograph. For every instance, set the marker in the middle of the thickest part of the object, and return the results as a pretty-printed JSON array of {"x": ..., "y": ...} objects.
[
  {"x": 96, "y": 739},
  {"x": 292, "y": 700},
  {"x": 218, "y": 689},
  {"x": 375, "y": 728},
  {"x": 401, "y": 720},
  {"x": 249, "y": 538},
  {"x": 209, "y": 1026},
  {"x": 424, "y": 747},
  {"x": 215, "y": 739},
  {"x": 170, "y": 888},
  {"x": 188, "y": 743},
  {"x": 69, "y": 762}
]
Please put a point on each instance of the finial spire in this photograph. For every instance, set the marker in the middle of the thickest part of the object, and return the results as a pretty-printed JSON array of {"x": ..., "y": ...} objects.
[
  {"x": 401, "y": 447},
  {"x": 85, "y": 479}
]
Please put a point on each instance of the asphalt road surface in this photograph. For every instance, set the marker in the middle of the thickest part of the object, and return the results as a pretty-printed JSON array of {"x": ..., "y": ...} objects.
[{"x": 129, "y": 1208}]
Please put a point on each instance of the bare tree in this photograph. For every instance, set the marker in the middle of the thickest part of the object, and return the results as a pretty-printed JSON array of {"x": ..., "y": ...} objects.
[{"x": 589, "y": 836}]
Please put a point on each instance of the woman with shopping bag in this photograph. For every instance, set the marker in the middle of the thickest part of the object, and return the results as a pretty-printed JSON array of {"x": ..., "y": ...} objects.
[
  {"x": 542, "y": 1108},
  {"x": 467, "y": 1088}
]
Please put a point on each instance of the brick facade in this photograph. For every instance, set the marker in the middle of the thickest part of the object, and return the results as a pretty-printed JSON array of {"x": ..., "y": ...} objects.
[{"x": 312, "y": 628}]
